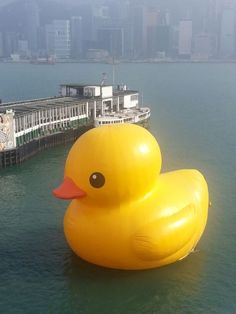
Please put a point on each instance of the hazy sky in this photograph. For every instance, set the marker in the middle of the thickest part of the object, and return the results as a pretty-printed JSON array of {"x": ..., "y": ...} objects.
[{"x": 161, "y": 2}]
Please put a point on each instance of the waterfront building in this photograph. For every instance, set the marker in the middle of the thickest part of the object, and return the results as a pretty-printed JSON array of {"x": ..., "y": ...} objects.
[
  {"x": 76, "y": 37},
  {"x": 144, "y": 22},
  {"x": 163, "y": 39},
  {"x": 152, "y": 16},
  {"x": 49, "y": 39},
  {"x": 128, "y": 39},
  {"x": 211, "y": 26},
  {"x": 138, "y": 31},
  {"x": 86, "y": 12},
  {"x": 22, "y": 122},
  {"x": 61, "y": 30},
  {"x": 111, "y": 39},
  {"x": 58, "y": 41},
  {"x": 202, "y": 46},
  {"x": 1, "y": 45},
  {"x": 120, "y": 14},
  {"x": 23, "y": 48},
  {"x": 227, "y": 33},
  {"x": 185, "y": 38},
  {"x": 10, "y": 43},
  {"x": 32, "y": 25},
  {"x": 30, "y": 126},
  {"x": 97, "y": 54}
]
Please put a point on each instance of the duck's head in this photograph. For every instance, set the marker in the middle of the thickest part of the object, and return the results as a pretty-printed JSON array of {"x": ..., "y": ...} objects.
[{"x": 110, "y": 164}]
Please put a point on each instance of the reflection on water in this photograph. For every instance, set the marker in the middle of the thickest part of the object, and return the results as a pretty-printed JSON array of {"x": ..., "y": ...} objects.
[{"x": 127, "y": 291}]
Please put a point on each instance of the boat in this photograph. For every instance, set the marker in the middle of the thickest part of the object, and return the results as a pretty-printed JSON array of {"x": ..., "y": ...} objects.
[
  {"x": 132, "y": 115},
  {"x": 127, "y": 110}
]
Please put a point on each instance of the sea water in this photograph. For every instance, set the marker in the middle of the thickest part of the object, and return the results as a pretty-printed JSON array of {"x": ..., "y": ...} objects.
[{"x": 194, "y": 120}]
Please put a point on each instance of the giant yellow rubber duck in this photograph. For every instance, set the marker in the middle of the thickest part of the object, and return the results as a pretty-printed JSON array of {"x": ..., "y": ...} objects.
[{"x": 124, "y": 213}]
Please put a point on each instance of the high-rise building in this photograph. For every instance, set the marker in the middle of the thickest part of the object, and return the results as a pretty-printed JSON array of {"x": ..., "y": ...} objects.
[
  {"x": 211, "y": 25},
  {"x": 57, "y": 37},
  {"x": 227, "y": 33},
  {"x": 185, "y": 38},
  {"x": 23, "y": 48},
  {"x": 138, "y": 31},
  {"x": 10, "y": 43},
  {"x": 128, "y": 39},
  {"x": 112, "y": 40},
  {"x": 152, "y": 16},
  {"x": 202, "y": 46},
  {"x": 88, "y": 32},
  {"x": 62, "y": 38},
  {"x": 163, "y": 39},
  {"x": 1, "y": 45},
  {"x": 76, "y": 37},
  {"x": 49, "y": 39},
  {"x": 32, "y": 25}
]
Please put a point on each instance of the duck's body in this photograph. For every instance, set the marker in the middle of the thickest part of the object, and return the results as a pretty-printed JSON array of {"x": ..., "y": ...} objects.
[{"x": 157, "y": 223}]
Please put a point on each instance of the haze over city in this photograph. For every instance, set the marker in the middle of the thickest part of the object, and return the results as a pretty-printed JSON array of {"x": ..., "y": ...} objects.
[{"x": 103, "y": 30}]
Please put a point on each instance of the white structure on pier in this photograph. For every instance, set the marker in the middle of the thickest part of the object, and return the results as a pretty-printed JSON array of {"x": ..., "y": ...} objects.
[{"x": 22, "y": 122}]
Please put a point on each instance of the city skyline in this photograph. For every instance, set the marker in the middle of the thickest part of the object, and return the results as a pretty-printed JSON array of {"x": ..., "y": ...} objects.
[{"x": 128, "y": 30}]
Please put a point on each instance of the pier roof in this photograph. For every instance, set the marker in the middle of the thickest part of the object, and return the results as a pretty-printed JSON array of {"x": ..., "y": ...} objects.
[
  {"x": 74, "y": 85},
  {"x": 23, "y": 107},
  {"x": 27, "y": 106}
]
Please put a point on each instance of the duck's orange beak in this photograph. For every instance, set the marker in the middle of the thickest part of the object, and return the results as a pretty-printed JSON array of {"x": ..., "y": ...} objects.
[{"x": 68, "y": 190}]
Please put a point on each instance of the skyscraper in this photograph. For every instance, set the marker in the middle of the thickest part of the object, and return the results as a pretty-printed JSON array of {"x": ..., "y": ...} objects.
[
  {"x": 138, "y": 31},
  {"x": 23, "y": 49},
  {"x": 32, "y": 25},
  {"x": 57, "y": 37},
  {"x": 61, "y": 31},
  {"x": 111, "y": 39},
  {"x": 202, "y": 46},
  {"x": 49, "y": 38},
  {"x": 1, "y": 45},
  {"x": 10, "y": 43},
  {"x": 185, "y": 38},
  {"x": 227, "y": 33},
  {"x": 163, "y": 39},
  {"x": 152, "y": 16},
  {"x": 76, "y": 37}
]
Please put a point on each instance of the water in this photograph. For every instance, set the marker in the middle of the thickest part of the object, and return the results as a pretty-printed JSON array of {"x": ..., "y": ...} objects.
[{"x": 193, "y": 118}]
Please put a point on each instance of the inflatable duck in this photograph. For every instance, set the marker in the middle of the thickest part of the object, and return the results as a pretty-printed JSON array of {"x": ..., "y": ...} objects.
[{"x": 124, "y": 213}]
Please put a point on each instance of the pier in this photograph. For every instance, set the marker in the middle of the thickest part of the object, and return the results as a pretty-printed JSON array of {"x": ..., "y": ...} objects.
[{"x": 27, "y": 127}]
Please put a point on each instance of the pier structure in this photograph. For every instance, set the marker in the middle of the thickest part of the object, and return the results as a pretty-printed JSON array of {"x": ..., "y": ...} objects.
[{"x": 27, "y": 127}]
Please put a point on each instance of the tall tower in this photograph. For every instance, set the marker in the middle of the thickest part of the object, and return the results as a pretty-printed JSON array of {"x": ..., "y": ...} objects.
[
  {"x": 152, "y": 16},
  {"x": 211, "y": 25},
  {"x": 76, "y": 37},
  {"x": 61, "y": 29},
  {"x": 1, "y": 45},
  {"x": 49, "y": 39},
  {"x": 32, "y": 25},
  {"x": 227, "y": 33},
  {"x": 185, "y": 38},
  {"x": 138, "y": 31}
]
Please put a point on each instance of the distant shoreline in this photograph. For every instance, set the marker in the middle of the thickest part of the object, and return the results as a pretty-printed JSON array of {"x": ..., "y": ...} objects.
[{"x": 123, "y": 61}]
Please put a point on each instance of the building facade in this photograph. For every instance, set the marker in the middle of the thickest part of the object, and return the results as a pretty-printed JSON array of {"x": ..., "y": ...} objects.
[
  {"x": 1, "y": 46},
  {"x": 62, "y": 39},
  {"x": 76, "y": 37},
  {"x": 202, "y": 46},
  {"x": 227, "y": 33},
  {"x": 32, "y": 26},
  {"x": 58, "y": 39},
  {"x": 185, "y": 38}
]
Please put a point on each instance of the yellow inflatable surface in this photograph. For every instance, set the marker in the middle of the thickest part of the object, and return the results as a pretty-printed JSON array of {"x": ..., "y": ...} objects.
[{"x": 124, "y": 213}]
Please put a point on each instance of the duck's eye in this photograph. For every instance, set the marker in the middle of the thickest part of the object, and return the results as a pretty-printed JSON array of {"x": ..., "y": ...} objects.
[{"x": 97, "y": 180}]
